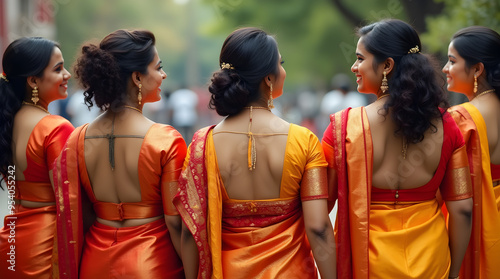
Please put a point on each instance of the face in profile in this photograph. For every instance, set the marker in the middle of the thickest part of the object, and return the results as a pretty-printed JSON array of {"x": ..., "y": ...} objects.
[
  {"x": 53, "y": 84},
  {"x": 152, "y": 80},
  {"x": 460, "y": 78},
  {"x": 280, "y": 80},
  {"x": 368, "y": 78}
]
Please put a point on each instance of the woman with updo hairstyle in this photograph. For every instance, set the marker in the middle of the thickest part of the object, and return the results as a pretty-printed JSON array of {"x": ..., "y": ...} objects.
[
  {"x": 473, "y": 69},
  {"x": 388, "y": 160},
  {"x": 30, "y": 140},
  {"x": 253, "y": 193},
  {"x": 124, "y": 164}
]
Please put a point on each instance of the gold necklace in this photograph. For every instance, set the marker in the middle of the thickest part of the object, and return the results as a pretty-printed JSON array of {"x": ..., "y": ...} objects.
[
  {"x": 37, "y": 106},
  {"x": 131, "y": 107},
  {"x": 252, "y": 107},
  {"x": 405, "y": 148},
  {"x": 484, "y": 92},
  {"x": 383, "y": 96}
]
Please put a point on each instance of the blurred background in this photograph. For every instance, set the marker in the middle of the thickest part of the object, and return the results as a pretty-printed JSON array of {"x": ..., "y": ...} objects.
[{"x": 316, "y": 39}]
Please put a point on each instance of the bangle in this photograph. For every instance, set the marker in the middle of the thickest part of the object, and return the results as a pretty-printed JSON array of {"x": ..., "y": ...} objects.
[{"x": 456, "y": 277}]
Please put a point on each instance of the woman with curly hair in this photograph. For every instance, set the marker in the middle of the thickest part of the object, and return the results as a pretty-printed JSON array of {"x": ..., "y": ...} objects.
[
  {"x": 473, "y": 69},
  {"x": 30, "y": 140},
  {"x": 388, "y": 160},
  {"x": 126, "y": 165}
]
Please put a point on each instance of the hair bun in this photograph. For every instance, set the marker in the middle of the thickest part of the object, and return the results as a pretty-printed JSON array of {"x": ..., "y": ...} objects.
[{"x": 229, "y": 92}]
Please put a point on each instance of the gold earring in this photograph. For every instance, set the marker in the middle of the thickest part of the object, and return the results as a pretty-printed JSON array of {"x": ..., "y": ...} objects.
[
  {"x": 385, "y": 86},
  {"x": 270, "y": 100},
  {"x": 139, "y": 96},
  {"x": 34, "y": 95},
  {"x": 475, "y": 84}
]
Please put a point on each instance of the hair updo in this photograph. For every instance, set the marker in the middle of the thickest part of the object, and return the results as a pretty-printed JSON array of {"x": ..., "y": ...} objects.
[
  {"x": 23, "y": 58},
  {"x": 104, "y": 70},
  {"x": 252, "y": 54},
  {"x": 415, "y": 92},
  {"x": 480, "y": 44}
]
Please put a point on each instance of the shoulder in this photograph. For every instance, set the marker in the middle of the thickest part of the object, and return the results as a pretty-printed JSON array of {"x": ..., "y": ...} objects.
[{"x": 55, "y": 124}]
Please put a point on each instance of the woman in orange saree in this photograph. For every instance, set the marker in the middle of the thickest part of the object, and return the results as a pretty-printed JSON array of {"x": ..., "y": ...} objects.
[
  {"x": 136, "y": 231},
  {"x": 472, "y": 70},
  {"x": 387, "y": 161},
  {"x": 256, "y": 210},
  {"x": 30, "y": 140}
]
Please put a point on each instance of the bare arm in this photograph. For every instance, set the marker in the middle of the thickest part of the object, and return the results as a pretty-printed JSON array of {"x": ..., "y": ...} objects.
[
  {"x": 319, "y": 231},
  {"x": 189, "y": 253},
  {"x": 174, "y": 225},
  {"x": 459, "y": 230}
]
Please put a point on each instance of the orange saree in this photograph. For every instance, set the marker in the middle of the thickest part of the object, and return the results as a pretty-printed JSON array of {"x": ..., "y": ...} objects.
[
  {"x": 251, "y": 238},
  {"x": 143, "y": 251},
  {"x": 30, "y": 236},
  {"x": 482, "y": 259},
  {"x": 377, "y": 237}
]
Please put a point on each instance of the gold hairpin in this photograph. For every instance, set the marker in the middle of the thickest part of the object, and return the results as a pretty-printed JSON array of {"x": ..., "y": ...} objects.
[
  {"x": 226, "y": 66},
  {"x": 4, "y": 77},
  {"x": 414, "y": 50}
]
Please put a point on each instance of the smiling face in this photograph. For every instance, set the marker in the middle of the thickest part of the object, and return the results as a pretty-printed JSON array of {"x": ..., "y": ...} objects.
[
  {"x": 460, "y": 78},
  {"x": 53, "y": 84},
  {"x": 368, "y": 78},
  {"x": 152, "y": 80}
]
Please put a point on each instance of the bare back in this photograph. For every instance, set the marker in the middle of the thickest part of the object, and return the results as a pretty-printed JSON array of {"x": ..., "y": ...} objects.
[
  {"x": 390, "y": 169},
  {"x": 488, "y": 107},
  {"x": 270, "y": 134},
  {"x": 121, "y": 183}
]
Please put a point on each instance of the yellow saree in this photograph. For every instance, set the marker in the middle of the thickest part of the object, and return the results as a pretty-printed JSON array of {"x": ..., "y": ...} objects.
[
  {"x": 251, "y": 238},
  {"x": 482, "y": 259}
]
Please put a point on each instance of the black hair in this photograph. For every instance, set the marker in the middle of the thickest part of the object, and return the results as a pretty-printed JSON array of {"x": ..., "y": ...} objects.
[
  {"x": 480, "y": 44},
  {"x": 252, "y": 54},
  {"x": 24, "y": 57},
  {"x": 104, "y": 70},
  {"x": 413, "y": 83}
]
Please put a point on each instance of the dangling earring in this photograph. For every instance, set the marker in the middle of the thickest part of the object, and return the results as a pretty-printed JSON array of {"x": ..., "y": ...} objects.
[
  {"x": 270, "y": 100},
  {"x": 34, "y": 95},
  {"x": 139, "y": 96},
  {"x": 385, "y": 86},
  {"x": 475, "y": 84}
]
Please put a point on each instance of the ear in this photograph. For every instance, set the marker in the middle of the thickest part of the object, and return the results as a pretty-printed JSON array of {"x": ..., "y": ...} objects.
[
  {"x": 32, "y": 81},
  {"x": 478, "y": 69},
  {"x": 389, "y": 65},
  {"x": 136, "y": 78},
  {"x": 269, "y": 79}
]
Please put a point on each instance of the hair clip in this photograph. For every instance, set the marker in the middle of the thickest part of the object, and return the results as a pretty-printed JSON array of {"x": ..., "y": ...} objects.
[
  {"x": 414, "y": 50},
  {"x": 4, "y": 77},
  {"x": 226, "y": 66}
]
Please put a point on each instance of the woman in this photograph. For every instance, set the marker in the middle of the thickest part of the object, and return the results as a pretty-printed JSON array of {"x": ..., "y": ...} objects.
[
  {"x": 390, "y": 158},
  {"x": 254, "y": 185},
  {"x": 30, "y": 140},
  {"x": 473, "y": 69},
  {"x": 126, "y": 165}
]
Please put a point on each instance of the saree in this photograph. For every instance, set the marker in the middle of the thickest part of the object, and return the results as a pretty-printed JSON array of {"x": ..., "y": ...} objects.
[
  {"x": 482, "y": 258},
  {"x": 27, "y": 239},
  {"x": 101, "y": 251},
  {"x": 382, "y": 239},
  {"x": 251, "y": 238}
]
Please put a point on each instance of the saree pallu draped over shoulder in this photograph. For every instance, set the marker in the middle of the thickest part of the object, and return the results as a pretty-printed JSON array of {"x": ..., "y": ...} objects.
[
  {"x": 482, "y": 259},
  {"x": 379, "y": 239}
]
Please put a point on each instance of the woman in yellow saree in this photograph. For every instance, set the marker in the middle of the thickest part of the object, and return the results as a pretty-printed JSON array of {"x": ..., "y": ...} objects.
[
  {"x": 254, "y": 186},
  {"x": 473, "y": 69},
  {"x": 388, "y": 160}
]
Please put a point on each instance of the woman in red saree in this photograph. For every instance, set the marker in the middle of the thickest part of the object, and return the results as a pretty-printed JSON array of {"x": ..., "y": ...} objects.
[
  {"x": 30, "y": 140},
  {"x": 254, "y": 186},
  {"x": 388, "y": 160},
  {"x": 126, "y": 165},
  {"x": 473, "y": 69}
]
